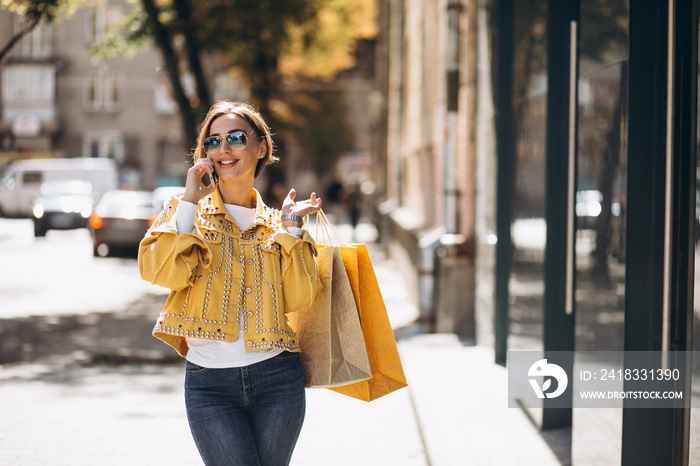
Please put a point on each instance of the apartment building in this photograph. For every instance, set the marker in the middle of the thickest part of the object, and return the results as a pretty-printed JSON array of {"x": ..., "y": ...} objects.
[{"x": 57, "y": 101}]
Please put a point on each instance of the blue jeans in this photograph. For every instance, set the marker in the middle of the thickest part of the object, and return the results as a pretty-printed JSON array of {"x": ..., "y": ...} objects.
[{"x": 246, "y": 415}]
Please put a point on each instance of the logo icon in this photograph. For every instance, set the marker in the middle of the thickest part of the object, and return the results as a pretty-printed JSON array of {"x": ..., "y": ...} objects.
[{"x": 549, "y": 371}]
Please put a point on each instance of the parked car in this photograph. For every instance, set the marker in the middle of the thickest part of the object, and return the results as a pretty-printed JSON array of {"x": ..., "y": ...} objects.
[
  {"x": 21, "y": 181},
  {"x": 121, "y": 219},
  {"x": 62, "y": 205}
]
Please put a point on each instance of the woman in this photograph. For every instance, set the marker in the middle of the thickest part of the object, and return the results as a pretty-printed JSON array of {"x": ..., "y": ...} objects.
[{"x": 235, "y": 267}]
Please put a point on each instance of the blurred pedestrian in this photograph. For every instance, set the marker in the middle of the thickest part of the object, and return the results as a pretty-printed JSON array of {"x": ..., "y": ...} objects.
[
  {"x": 235, "y": 267},
  {"x": 333, "y": 198},
  {"x": 334, "y": 190},
  {"x": 353, "y": 201}
]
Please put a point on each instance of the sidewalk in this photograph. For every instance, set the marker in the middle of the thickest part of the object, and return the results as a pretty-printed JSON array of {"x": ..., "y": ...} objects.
[{"x": 454, "y": 411}]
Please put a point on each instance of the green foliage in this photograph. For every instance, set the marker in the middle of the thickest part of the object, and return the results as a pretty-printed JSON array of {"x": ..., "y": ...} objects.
[
  {"x": 295, "y": 38},
  {"x": 320, "y": 126},
  {"x": 126, "y": 41},
  {"x": 324, "y": 45},
  {"x": 34, "y": 12},
  {"x": 274, "y": 45},
  {"x": 46, "y": 10}
]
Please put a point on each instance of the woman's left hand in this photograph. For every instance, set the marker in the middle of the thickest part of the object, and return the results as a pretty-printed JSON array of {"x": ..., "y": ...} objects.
[{"x": 300, "y": 208}]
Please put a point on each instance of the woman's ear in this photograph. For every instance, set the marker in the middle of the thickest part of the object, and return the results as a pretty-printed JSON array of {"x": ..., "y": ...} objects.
[{"x": 263, "y": 149}]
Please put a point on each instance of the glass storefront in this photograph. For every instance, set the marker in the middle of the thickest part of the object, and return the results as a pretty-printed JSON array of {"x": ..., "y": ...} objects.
[
  {"x": 600, "y": 241},
  {"x": 629, "y": 201},
  {"x": 695, "y": 402},
  {"x": 528, "y": 226},
  {"x": 526, "y": 282}
]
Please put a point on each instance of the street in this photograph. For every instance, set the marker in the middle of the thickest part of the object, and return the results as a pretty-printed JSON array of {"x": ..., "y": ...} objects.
[
  {"x": 58, "y": 275},
  {"x": 81, "y": 374},
  {"x": 61, "y": 304},
  {"x": 83, "y": 382}
]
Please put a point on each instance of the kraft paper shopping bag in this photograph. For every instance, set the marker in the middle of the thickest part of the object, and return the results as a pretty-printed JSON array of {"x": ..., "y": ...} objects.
[{"x": 333, "y": 349}]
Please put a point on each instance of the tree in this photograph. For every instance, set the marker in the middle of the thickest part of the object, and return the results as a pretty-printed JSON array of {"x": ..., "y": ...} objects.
[
  {"x": 271, "y": 43},
  {"x": 33, "y": 12}
]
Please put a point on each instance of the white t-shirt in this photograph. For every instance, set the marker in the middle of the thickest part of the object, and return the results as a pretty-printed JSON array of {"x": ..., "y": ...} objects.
[{"x": 222, "y": 354}]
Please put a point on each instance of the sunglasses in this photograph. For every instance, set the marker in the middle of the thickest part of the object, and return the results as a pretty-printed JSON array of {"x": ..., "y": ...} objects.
[{"x": 236, "y": 140}]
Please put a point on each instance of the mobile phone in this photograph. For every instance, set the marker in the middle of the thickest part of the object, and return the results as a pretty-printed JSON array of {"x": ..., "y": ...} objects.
[{"x": 206, "y": 179}]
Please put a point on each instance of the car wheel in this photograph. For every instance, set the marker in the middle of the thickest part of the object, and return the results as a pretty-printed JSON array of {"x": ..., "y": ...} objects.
[
  {"x": 39, "y": 229},
  {"x": 101, "y": 250}
]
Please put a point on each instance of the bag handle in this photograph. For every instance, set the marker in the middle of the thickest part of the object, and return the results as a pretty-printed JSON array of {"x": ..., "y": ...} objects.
[{"x": 324, "y": 224}]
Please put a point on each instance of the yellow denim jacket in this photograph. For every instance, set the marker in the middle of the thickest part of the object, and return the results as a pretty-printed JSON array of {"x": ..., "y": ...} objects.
[{"x": 219, "y": 273}]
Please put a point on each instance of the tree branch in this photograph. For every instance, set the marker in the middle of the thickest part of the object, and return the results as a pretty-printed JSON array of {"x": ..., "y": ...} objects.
[
  {"x": 5, "y": 52},
  {"x": 189, "y": 126},
  {"x": 184, "y": 12}
]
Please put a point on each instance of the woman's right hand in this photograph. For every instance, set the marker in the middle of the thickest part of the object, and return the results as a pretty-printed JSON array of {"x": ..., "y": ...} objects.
[{"x": 195, "y": 189}]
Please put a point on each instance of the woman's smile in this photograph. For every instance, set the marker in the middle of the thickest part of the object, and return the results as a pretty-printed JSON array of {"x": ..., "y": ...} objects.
[{"x": 227, "y": 163}]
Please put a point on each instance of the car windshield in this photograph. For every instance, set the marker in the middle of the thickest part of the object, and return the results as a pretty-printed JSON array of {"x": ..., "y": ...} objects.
[
  {"x": 65, "y": 188},
  {"x": 128, "y": 198}
]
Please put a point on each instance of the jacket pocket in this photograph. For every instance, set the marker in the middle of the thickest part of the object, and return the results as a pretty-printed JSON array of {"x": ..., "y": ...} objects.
[{"x": 271, "y": 264}]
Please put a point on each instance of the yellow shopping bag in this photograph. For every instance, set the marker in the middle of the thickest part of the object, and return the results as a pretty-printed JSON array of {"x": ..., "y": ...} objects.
[{"x": 383, "y": 354}]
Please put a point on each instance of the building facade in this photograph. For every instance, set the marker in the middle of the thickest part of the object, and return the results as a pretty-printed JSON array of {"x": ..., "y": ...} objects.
[
  {"x": 538, "y": 174},
  {"x": 58, "y": 101}
]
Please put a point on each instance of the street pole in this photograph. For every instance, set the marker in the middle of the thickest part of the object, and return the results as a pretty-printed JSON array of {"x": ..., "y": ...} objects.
[{"x": 454, "y": 8}]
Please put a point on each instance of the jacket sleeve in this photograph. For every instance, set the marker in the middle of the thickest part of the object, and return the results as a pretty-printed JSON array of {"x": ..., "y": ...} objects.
[
  {"x": 300, "y": 280},
  {"x": 169, "y": 259}
]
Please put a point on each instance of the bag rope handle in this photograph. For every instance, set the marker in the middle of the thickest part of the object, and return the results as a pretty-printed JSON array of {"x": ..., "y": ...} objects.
[{"x": 326, "y": 228}]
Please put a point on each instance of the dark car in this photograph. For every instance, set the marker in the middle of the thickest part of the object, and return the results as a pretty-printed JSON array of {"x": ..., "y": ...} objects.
[
  {"x": 62, "y": 205},
  {"x": 121, "y": 220}
]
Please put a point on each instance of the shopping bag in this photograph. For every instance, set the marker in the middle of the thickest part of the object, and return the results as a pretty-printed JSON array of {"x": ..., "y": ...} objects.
[
  {"x": 333, "y": 350},
  {"x": 385, "y": 363},
  {"x": 383, "y": 354}
]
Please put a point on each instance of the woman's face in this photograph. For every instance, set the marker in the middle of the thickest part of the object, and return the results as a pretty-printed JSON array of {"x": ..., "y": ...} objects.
[{"x": 232, "y": 164}]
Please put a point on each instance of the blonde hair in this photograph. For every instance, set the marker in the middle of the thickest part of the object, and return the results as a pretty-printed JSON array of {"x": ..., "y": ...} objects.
[{"x": 249, "y": 114}]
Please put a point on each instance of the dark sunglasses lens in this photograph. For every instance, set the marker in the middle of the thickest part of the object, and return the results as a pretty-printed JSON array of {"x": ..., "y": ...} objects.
[
  {"x": 236, "y": 140},
  {"x": 211, "y": 144}
]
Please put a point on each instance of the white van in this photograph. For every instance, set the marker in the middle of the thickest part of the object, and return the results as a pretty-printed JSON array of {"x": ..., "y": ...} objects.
[{"x": 20, "y": 182}]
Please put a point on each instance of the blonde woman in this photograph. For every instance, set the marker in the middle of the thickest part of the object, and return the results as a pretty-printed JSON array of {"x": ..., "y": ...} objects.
[{"x": 235, "y": 268}]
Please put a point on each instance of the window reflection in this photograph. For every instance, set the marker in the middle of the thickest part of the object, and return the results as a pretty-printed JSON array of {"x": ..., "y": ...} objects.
[
  {"x": 528, "y": 230},
  {"x": 695, "y": 402},
  {"x": 601, "y": 204}
]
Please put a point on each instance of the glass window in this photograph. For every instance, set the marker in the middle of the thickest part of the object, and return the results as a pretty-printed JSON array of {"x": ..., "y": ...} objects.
[
  {"x": 28, "y": 84},
  {"x": 107, "y": 144},
  {"x": 528, "y": 227},
  {"x": 94, "y": 24},
  {"x": 31, "y": 177},
  {"x": 36, "y": 43},
  {"x": 99, "y": 19},
  {"x": 695, "y": 401},
  {"x": 601, "y": 204},
  {"x": 103, "y": 91}
]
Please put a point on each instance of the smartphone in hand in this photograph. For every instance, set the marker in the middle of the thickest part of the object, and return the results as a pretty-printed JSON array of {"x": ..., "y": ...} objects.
[{"x": 207, "y": 179}]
